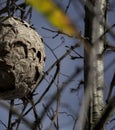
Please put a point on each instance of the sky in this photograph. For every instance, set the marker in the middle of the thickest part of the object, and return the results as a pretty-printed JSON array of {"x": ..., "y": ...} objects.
[
  {"x": 68, "y": 66},
  {"x": 70, "y": 102}
]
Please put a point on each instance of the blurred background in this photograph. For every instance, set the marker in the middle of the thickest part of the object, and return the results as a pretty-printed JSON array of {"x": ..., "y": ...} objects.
[{"x": 63, "y": 112}]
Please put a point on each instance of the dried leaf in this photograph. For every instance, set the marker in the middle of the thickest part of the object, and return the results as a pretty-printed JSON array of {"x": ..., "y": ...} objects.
[{"x": 54, "y": 15}]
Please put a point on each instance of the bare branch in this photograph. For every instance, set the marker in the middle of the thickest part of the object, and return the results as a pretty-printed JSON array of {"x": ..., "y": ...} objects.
[
  {"x": 111, "y": 88},
  {"x": 110, "y": 108},
  {"x": 10, "y": 115}
]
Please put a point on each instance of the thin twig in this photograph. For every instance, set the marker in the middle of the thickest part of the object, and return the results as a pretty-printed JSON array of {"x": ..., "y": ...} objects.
[
  {"x": 37, "y": 118},
  {"x": 62, "y": 88},
  {"x": 47, "y": 89},
  {"x": 57, "y": 32},
  {"x": 68, "y": 5},
  {"x": 56, "y": 62},
  {"x": 8, "y": 7},
  {"x": 106, "y": 114},
  {"x": 58, "y": 100},
  {"x": 51, "y": 50},
  {"x": 10, "y": 115},
  {"x": 50, "y": 68},
  {"x": 14, "y": 111},
  {"x": 111, "y": 88},
  {"x": 61, "y": 58},
  {"x": 18, "y": 121},
  {"x": 57, "y": 107},
  {"x": 1, "y": 122}
]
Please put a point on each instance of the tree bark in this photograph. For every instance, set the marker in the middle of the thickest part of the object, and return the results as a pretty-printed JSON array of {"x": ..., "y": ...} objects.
[{"x": 95, "y": 18}]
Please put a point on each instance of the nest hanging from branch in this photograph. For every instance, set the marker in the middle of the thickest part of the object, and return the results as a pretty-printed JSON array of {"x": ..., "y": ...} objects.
[{"x": 22, "y": 58}]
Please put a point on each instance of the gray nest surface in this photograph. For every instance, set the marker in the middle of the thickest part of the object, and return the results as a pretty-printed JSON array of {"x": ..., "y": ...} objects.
[{"x": 22, "y": 58}]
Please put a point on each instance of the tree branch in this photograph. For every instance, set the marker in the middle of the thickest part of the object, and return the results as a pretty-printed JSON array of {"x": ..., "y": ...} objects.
[{"x": 109, "y": 110}]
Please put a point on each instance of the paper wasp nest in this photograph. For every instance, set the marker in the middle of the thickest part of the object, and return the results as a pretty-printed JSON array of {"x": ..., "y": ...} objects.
[{"x": 22, "y": 58}]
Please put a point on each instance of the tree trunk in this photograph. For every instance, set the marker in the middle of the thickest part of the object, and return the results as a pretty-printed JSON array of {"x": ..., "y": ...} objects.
[{"x": 95, "y": 12}]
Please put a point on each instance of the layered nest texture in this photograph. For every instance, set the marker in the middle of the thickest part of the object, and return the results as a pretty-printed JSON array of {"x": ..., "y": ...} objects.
[{"x": 22, "y": 58}]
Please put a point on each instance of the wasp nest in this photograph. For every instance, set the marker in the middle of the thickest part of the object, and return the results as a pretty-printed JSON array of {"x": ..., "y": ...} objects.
[{"x": 22, "y": 58}]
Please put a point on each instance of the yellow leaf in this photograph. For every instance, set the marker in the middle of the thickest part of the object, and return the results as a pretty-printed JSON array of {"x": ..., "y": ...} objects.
[{"x": 55, "y": 15}]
